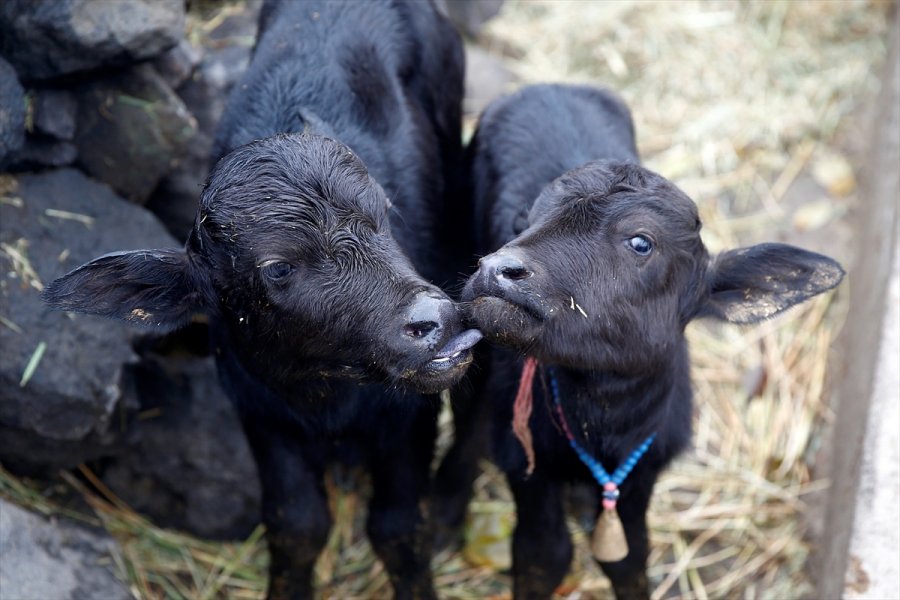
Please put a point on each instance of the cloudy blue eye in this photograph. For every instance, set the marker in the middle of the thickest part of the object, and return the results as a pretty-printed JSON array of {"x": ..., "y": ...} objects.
[
  {"x": 277, "y": 271},
  {"x": 641, "y": 245}
]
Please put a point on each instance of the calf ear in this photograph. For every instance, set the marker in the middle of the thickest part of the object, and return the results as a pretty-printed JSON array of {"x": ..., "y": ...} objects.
[
  {"x": 153, "y": 288},
  {"x": 749, "y": 285}
]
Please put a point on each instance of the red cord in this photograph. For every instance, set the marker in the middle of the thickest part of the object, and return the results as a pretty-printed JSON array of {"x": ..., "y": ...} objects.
[{"x": 522, "y": 411}]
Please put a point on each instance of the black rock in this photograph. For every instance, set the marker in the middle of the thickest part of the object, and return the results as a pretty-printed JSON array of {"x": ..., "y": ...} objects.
[
  {"x": 53, "y": 113},
  {"x": 132, "y": 130},
  {"x": 225, "y": 52},
  {"x": 12, "y": 113},
  {"x": 55, "y": 559},
  {"x": 48, "y": 141},
  {"x": 49, "y": 38},
  {"x": 186, "y": 464},
  {"x": 177, "y": 196},
  {"x": 71, "y": 407},
  {"x": 178, "y": 63},
  {"x": 41, "y": 151}
]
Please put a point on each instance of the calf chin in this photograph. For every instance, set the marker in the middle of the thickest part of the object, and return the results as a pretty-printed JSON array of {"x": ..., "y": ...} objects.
[
  {"x": 432, "y": 379},
  {"x": 505, "y": 323}
]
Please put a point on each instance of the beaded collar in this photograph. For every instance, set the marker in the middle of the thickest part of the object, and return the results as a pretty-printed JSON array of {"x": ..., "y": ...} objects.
[
  {"x": 608, "y": 544},
  {"x": 609, "y": 483}
]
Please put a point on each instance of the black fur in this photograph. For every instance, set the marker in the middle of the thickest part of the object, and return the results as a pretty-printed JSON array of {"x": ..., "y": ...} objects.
[
  {"x": 326, "y": 336},
  {"x": 596, "y": 267}
]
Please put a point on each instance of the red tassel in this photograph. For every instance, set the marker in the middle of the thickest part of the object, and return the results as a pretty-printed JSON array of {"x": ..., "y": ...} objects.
[{"x": 522, "y": 411}]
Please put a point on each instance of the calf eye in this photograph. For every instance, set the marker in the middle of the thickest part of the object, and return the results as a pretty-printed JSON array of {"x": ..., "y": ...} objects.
[
  {"x": 641, "y": 245},
  {"x": 276, "y": 271}
]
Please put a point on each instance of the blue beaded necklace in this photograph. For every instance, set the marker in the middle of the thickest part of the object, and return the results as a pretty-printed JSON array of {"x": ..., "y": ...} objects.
[{"x": 609, "y": 542}]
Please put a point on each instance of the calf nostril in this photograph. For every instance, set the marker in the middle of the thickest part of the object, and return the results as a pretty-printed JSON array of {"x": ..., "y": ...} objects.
[
  {"x": 514, "y": 272},
  {"x": 420, "y": 328}
]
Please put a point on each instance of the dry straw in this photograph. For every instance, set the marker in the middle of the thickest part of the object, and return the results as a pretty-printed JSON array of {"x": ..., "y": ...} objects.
[{"x": 736, "y": 102}]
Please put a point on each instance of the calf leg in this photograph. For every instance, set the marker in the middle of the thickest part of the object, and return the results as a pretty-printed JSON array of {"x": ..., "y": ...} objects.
[
  {"x": 629, "y": 575},
  {"x": 294, "y": 510},
  {"x": 542, "y": 548},
  {"x": 396, "y": 527}
]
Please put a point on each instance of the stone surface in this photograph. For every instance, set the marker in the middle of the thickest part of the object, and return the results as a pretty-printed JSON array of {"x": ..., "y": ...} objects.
[
  {"x": 225, "y": 51},
  {"x": 12, "y": 113},
  {"x": 71, "y": 408},
  {"x": 48, "y": 38},
  {"x": 48, "y": 141},
  {"x": 178, "y": 63},
  {"x": 167, "y": 439},
  {"x": 53, "y": 112},
  {"x": 187, "y": 463},
  {"x": 132, "y": 130},
  {"x": 55, "y": 560},
  {"x": 41, "y": 151}
]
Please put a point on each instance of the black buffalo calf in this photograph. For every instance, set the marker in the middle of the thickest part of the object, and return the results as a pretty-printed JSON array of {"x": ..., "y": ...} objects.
[
  {"x": 327, "y": 338},
  {"x": 596, "y": 268}
]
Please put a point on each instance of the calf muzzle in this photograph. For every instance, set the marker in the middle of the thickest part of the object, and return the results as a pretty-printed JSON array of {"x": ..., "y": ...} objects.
[
  {"x": 427, "y": 320},
  {"x": 503, "y": 268}
]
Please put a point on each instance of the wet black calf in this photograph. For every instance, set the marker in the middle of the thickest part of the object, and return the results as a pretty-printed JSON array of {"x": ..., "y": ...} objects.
[
  {"x": 596, "y": 268},
  {"x": 327, "y": 337}
]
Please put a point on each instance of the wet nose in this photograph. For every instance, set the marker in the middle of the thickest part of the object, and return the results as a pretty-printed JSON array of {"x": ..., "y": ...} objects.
[
  {"x": 426, "y": 319},
  {"x": 503, "y": 267}
]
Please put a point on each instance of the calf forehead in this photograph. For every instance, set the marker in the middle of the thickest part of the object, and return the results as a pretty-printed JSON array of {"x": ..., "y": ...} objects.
[
  {"x": 290, "y": 185},
  {"x": 617, "y": 194}
]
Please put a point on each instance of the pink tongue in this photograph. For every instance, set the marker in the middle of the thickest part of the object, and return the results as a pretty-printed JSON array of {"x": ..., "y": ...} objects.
[{"x": 463, "y": 341}]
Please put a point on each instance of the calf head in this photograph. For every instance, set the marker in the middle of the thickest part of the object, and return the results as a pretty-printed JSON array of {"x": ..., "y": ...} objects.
[
  {"x": 611, "y": 269},
  {"x": 292, "y": 254}
]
